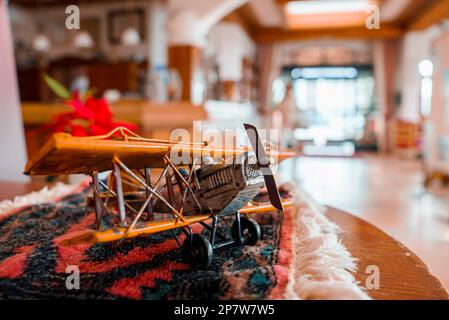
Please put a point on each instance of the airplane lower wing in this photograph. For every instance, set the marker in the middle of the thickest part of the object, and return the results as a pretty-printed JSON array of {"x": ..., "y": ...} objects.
[
  {"x": 265, "y": 207},
  {"x": 92, "y": 236}
]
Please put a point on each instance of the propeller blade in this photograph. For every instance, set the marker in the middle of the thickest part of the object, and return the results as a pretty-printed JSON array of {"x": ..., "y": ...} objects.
[{"x": 264, "y": 165}]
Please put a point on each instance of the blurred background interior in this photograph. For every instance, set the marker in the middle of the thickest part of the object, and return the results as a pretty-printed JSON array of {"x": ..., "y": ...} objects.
[{"x": 360, "y": 87}]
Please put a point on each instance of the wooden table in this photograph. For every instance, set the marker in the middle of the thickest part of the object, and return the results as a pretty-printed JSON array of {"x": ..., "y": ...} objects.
[
  {"x": 8, "y": 190},
  {"x": 402, "y": 274}
]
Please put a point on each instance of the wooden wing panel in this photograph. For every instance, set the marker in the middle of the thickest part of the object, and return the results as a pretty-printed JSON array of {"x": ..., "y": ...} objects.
[
  {"x": 64, "y": 154},
  {"x": 264, "y": 207},
  {"x": 92, "y": 236}
]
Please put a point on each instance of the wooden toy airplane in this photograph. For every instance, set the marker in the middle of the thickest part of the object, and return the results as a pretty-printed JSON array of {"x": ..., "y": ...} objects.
[{"x": 199, "y": 191}]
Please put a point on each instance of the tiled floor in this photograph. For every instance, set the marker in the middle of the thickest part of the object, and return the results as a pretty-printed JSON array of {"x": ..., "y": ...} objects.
[{"x": 386, "y": 192}]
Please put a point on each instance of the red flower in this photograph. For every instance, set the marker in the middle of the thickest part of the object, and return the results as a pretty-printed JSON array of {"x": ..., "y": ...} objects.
[
  {"x": 79, "y": 131},
  {"x": 81, "y": 111},
  {"x": 100, "y": 109},
  {"x": 91, "y": 117}
]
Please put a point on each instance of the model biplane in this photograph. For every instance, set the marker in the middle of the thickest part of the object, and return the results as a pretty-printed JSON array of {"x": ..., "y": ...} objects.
[{"x": 130, "y": 203}]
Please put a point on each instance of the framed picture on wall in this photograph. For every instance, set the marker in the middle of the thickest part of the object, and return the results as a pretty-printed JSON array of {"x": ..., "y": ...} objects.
[
  {"x": 120, "y": 20},
  {"x": 58, "y": 34},
  {"x": 92, "y": 26}
]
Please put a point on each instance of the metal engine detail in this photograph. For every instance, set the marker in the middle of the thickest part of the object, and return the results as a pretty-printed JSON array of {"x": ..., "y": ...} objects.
[{"x": 229, "y": 185}]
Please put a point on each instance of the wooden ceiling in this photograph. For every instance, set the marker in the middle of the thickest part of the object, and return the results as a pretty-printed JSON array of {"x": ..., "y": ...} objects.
[
  {"x": 44, "y": 3},
  {"x": 416, "y": 15}
]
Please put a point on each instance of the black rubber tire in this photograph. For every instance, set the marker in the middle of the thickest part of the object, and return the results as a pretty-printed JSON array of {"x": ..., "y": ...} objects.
[
  {"x": 198, "y": 253},
  {"x": 250, "y": 231}
]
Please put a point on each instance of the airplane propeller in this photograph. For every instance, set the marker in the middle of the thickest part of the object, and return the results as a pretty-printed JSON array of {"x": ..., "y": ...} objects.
[{"x": 264, "y": 166}]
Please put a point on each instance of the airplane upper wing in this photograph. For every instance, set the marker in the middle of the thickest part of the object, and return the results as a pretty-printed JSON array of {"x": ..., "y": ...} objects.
[{"x": 65, "y": 154}]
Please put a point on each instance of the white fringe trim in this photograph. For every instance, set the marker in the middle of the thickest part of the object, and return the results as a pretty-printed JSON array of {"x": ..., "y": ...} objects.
[
  {"x": 323, "y": 268},
  {"x": 37, "y": 197}
]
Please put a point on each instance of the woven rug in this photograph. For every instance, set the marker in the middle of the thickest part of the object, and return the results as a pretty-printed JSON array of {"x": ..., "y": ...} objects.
[{"x": 33, "y": 263}]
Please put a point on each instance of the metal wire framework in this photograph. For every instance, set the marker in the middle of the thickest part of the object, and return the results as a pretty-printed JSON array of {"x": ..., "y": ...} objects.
[
  {"x": 133, "y": 212},
  {"x": 110, "y": 200},
  {"x": 125, "y": 214}
]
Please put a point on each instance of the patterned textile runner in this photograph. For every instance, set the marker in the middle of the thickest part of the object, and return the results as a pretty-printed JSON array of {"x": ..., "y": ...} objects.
[{"x": 33, "y": 263}]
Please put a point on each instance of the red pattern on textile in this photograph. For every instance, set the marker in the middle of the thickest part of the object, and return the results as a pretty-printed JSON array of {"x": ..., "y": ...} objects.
[
  {"x": 285, "y": 256},
  {"x": 131, "y": 287},
  {"x": 14, "y": 266},
  {"x": 76, "y": 255}
]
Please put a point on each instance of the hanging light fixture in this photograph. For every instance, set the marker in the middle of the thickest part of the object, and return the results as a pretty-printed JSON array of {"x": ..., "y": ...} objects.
[
  {"x": 83, "y": 40},
  {"x": 41, "y": 43},
  {"x": 425, "y": 68},
  {"x": 130, "y": 37}
]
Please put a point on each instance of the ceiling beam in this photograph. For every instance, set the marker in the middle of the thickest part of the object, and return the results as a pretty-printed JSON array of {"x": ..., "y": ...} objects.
[
  {"x": 376, "y": 2},
  {"x": 37, "y": 4},
  {"x": 235, "y": 18},
  {"x": 247, "y": 14},
  {"x": 274, "y": 35},
  {"x": 413, "y": 9},
  {"x": 245, "y": 17},
  {"x": 434, "y": 14}
]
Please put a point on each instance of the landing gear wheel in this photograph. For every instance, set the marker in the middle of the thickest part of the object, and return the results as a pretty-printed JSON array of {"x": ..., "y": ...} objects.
[
  {"x": 250, "y": 231},
  {"x": 198, "y": 252}
]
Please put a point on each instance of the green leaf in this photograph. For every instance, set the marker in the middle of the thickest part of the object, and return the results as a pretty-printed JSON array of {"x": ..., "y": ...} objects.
[{"x": 57, "y": 87}]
